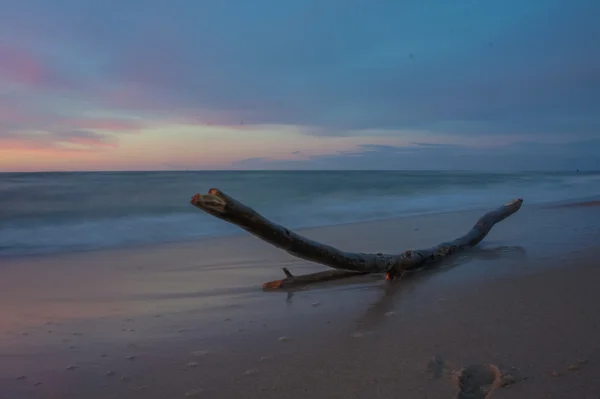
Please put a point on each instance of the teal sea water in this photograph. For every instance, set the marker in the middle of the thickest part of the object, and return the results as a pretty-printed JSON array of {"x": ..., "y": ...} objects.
[{"x": 62, "y": 212}]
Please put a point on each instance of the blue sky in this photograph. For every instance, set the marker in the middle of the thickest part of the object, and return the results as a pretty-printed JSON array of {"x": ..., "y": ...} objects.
[{"x": 299, "y": 84}]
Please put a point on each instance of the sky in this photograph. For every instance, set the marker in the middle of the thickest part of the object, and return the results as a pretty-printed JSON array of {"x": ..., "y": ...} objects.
[{"x": 290, "y": 84}]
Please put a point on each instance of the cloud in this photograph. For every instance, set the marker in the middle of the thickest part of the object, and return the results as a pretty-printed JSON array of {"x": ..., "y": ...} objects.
[
  {"x": 83, "y": 75},
  {"x": 584, "y": 155},
  {"x": 20, "y": 67},
  {"x": 58, "y": 141}
]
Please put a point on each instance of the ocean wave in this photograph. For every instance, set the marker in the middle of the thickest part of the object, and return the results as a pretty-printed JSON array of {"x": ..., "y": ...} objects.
[{"x": 41, "y": 213}]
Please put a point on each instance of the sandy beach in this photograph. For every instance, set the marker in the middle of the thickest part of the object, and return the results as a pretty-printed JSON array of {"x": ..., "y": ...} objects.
[{"x": 190, "y": 319}]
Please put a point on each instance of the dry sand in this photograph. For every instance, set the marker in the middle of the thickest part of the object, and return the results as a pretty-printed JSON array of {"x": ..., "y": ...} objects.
[{"x": 190, "y": 320}]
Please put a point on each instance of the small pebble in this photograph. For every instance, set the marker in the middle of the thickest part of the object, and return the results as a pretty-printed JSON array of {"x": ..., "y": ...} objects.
[
  {"x": 24, "y": 334},
  {"x": 200, "y": 353},
  {"x": 191, "y": 365},
  {"x": 71, "y": 368},
  {"x": 125, "y": 379},
  {"x": 37, "y": 384},
  {"x": 556, "y": 374},
  {"x": 21, "y": 377},
  {"x": 77, "y": 334},
  {"x": 49, "y": 331},
  {"x": 284, "y": 339},
  {"x": 264, "y": 359},
  {"x": 250, "y": 372},
  {"x": 388, "y": 314},
  {"x": 582, "y": 361},
  {"x": 180, "y": 330},
  {"x": 195, "y": 393},
  {"x": 142, "y": 388},
  {"x": 131, "y": 330},
  {"x": 227, "y": 319},
  {"x": 573, "y": 367},
  {"x": 315, "y": 304},
  {"x": 103, "y": 355},
  {"x": 358, "y": 335},
  {"x": 130, "y": 358}
]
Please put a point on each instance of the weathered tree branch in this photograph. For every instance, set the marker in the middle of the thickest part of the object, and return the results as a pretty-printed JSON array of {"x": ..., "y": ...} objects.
[{"x": 222, "y": 206}]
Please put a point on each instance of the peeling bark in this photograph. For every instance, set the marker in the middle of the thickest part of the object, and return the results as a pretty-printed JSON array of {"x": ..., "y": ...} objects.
[{"x": 224, "y": 207}]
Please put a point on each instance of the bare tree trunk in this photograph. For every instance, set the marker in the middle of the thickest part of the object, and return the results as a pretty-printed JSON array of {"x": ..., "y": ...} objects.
[{"x": 224, "y": 207}]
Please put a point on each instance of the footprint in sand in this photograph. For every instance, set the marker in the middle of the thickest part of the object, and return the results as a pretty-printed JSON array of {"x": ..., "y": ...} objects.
[
  {"x": 481, "y": 380},
  {"x": 476, "y": 381}
]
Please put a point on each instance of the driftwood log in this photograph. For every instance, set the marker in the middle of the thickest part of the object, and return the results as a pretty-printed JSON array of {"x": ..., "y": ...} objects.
[{"x": 222, "y": 206}]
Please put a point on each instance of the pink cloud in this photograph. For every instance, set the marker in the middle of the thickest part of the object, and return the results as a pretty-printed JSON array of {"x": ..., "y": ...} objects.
[
  {"x": 53, "y": 142},
  {"x": 20, "y": 66},
  {"x": 121, "y": 125}
]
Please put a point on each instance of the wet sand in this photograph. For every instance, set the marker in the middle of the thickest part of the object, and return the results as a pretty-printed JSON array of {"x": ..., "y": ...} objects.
[{"x": 190, "y": 320}]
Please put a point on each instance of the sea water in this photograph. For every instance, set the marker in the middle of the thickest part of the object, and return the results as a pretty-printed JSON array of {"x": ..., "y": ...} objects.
[{"x": 62, "y": 212}]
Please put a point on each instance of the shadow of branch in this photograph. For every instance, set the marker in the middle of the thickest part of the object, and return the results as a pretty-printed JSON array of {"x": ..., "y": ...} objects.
[{"x": 392, "y": 292}]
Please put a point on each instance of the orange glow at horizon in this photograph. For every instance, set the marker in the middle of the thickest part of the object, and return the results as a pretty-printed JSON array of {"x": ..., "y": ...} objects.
[{"x": 180, "y": 147}]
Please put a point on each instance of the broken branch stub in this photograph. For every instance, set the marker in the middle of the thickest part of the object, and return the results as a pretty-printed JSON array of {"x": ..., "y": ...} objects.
[{"x": 222, "y": 206}]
